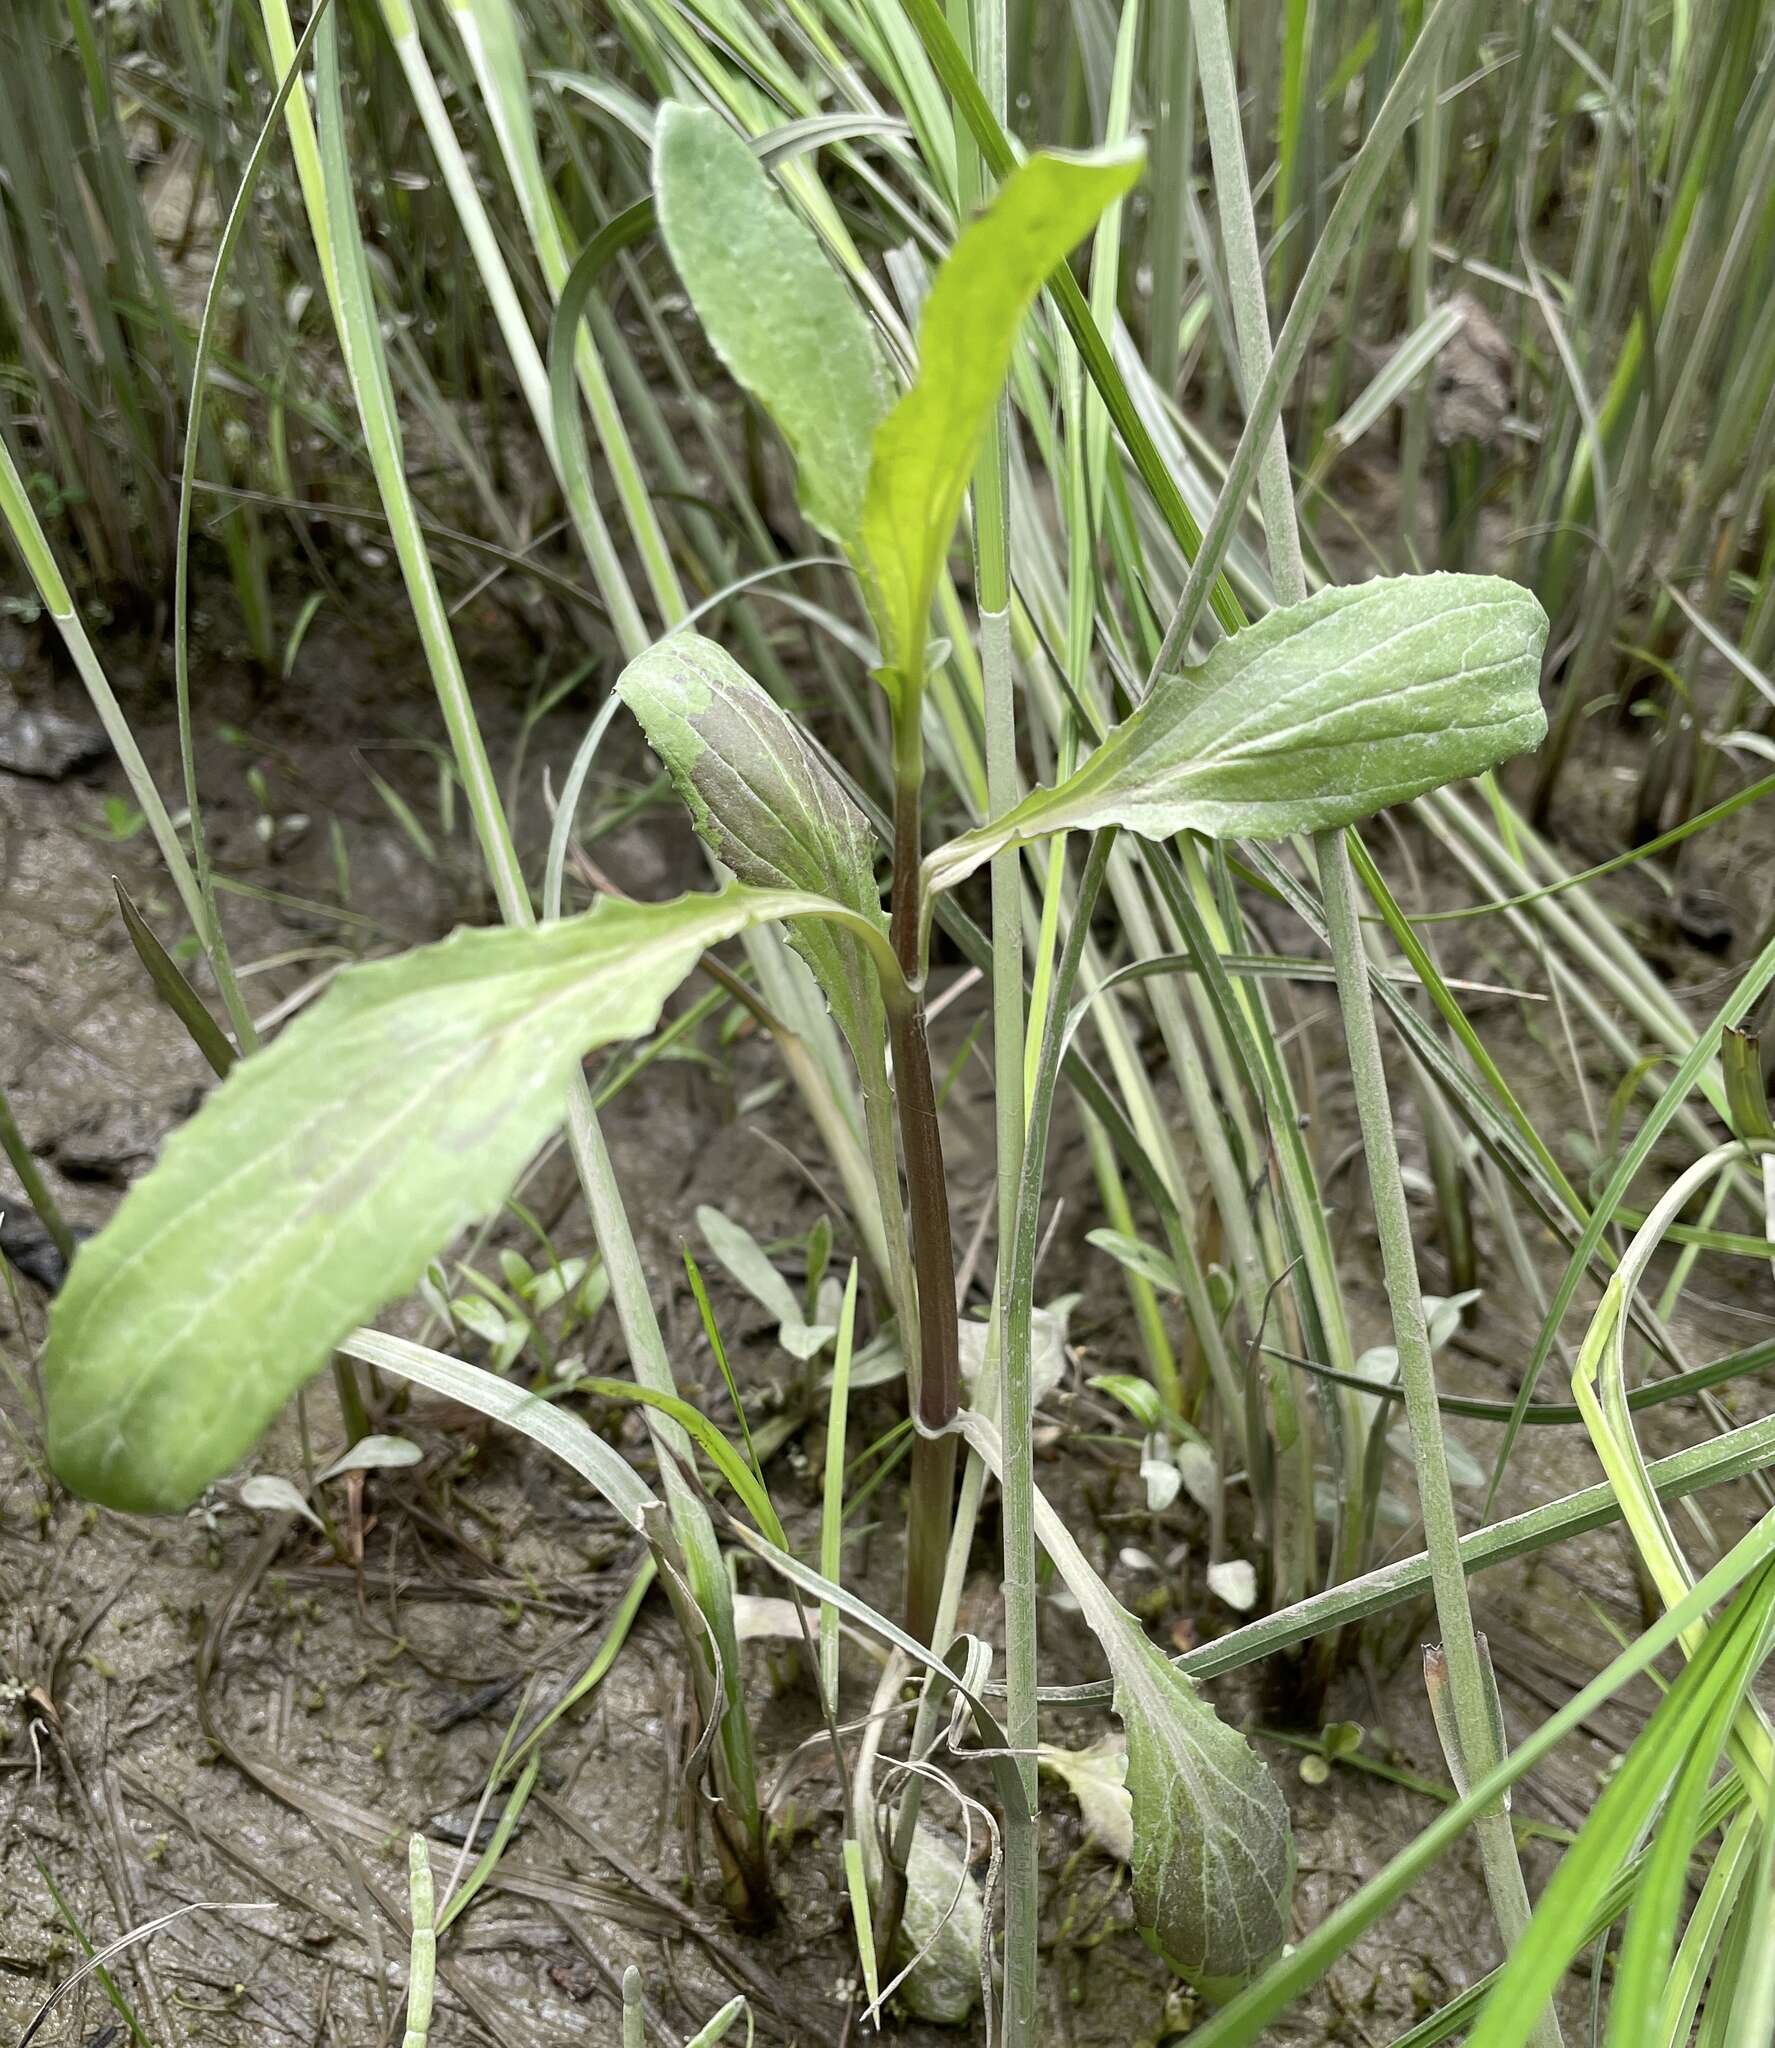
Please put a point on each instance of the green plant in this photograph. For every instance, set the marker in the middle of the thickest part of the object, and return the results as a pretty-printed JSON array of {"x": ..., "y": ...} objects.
[
  {"x": 422, "y": 1961},
  {"x": 405, "y": 1104},
  {"x": 1110, "y": 541}
]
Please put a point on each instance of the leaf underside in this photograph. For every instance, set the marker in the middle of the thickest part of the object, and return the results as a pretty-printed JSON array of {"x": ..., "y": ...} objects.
[
  {"x": 766, "y": 805},
  {"x": 1213, "y": 1861},
  {"x": 1318, "y": 715},
  {"x": 1212, "y": 1850},
  {"x": 315, "y": 1183},
  {"x": 943, "y": 1925}
]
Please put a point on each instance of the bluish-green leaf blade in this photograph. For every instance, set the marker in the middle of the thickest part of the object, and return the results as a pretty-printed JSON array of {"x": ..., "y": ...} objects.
[
  {"x": 775, "y": 309},
  {"x": 1318, "y": 715},
  {"x": 765, "y": 803},
  {"x": 926, "y": 448},
  {"x": 1213, "y": 1849},
  {"x": 323, "y": 1173},
  {"x": 1213, "y": 1861}
]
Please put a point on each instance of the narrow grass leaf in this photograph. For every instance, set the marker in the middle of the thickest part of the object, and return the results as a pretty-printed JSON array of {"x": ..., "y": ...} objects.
[
  {"x": 1643, "y": 1967},
  {"x": 573, "y": 1441},
  {"x": 172, "y": 987},
  {"x": 556, "y": 1428},
  {"x": 721, "y": 2025},
  {"x": 634, "y": 2017},
  {"x": 1681, "y": 1741},
  {"x": 516, "y": 1800},
  {"x": 422, "y": 1963},
  {"x": 832, "y": 1488},
  {"x": 1696, "y": 1063},
  {"x": 1741, "y": 2001},
  {"x": 856, "y": 1885},
  {"x": 1245, "y": 2021}
]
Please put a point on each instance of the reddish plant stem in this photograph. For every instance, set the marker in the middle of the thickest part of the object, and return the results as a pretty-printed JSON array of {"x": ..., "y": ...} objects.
[{"x": 936, "y": 1390}]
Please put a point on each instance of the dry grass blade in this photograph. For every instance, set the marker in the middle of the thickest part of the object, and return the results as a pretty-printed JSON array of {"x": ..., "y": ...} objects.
[{"x": 148, "y": 1929}]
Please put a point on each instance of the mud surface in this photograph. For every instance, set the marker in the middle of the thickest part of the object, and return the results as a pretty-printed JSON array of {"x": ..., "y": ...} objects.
[{"x": 223, "y": 1709}]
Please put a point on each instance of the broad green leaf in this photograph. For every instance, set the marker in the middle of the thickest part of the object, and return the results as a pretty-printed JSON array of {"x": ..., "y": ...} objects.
[
  {"x": 1317, "y": 715},
  {"x": 1213, "y": 1861},
  {"x": 926, "y": 448},
  {"x": 746, "y": 1261},
  {"x": 1213, "y": 1852},
  {"x": 766, "y": 804},
  {"x": 321, "y": 1176},
  {"x": 775, "y": 310}
]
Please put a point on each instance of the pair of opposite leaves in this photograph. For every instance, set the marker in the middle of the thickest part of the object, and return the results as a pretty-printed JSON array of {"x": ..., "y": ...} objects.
[{"x": 321, "y": 1177}]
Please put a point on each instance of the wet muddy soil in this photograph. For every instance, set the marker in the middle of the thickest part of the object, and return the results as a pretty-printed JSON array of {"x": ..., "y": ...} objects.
[{"x": 225, "y": 1709}]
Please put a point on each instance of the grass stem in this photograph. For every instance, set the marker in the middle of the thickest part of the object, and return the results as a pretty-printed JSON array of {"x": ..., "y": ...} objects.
[
  {"x": 1480, "y": 1746},
  {"x": 1018, "y": 1477},
  {"x": 1442, "y": 1538}
]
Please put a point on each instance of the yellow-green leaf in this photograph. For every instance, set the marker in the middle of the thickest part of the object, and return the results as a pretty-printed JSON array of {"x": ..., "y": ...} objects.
[{"x": 926, "y": 448}]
